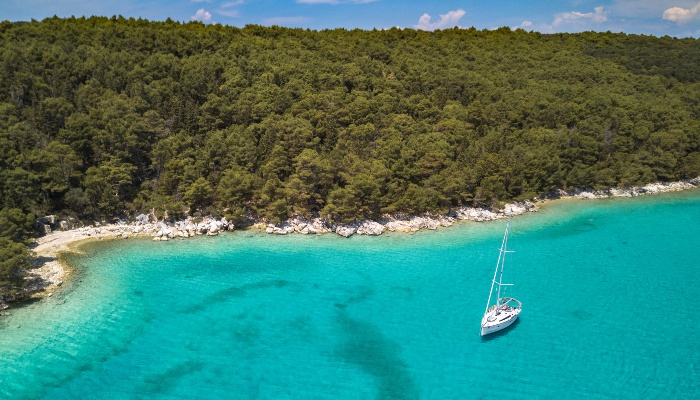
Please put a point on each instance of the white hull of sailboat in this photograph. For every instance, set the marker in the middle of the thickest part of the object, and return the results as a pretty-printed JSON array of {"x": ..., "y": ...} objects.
[{"x": 491, "y": 327}]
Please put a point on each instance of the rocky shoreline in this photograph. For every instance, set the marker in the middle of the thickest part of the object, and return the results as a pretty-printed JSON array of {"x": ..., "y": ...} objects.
[
  {"x": 48, "y": 273},
  {"x": 394, "y": 223},
  {"x": 413, "y": 223}
]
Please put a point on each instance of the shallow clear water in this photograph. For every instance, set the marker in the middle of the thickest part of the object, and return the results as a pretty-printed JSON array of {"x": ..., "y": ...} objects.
[{"x": 607, "y": 287}]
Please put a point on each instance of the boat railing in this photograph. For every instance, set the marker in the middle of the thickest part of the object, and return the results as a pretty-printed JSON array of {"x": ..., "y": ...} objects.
[{"x": 506, "y": 300}]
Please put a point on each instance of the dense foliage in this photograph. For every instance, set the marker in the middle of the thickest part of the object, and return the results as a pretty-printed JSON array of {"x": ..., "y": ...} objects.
[
  {"x": 15, "y": 257},
  {"x": 105, "y": 117}
]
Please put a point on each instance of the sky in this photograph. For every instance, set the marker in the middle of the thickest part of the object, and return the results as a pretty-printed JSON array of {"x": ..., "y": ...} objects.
[{"x": 678, "y": 18}]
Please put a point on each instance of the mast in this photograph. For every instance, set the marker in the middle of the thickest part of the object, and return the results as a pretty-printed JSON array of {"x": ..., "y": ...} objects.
[
  {"x": 499, "y": 265},
  {"x": 504, "y": 245}
]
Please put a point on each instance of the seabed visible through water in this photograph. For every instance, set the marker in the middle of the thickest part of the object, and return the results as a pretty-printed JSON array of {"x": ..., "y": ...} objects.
[{"x": 255, "y": 316}]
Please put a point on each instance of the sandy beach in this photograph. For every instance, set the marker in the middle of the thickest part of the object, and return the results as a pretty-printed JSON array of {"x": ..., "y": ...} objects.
[{"x": 48, "y": 273}]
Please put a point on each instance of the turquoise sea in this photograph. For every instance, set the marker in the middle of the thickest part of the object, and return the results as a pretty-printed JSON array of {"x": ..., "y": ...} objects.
[{"x": 609, "y": 312}]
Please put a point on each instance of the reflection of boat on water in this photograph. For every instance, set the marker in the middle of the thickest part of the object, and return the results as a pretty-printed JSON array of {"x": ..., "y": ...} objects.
[{"x": 506, "y": 310}]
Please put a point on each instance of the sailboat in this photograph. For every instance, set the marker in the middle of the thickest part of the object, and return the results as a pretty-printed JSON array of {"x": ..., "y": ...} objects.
[{"x": 506, "y": 310}]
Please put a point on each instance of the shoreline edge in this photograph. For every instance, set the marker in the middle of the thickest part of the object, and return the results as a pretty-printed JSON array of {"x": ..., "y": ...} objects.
[{"x": 49, "y": 271}]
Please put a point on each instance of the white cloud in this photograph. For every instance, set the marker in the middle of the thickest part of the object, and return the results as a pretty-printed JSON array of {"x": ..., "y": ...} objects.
[
  {"x": 285, "y": 21},
  {"x": 446, "y": 20},
  {"x": 681, "y": 15},
  {"x": 230, "y": 4},
  {"x": 229, "y": 13},
  {"x": 576, "y": 17},
  {"x": 201, "y": 15},
  {"x": 677, "y": 14},
  {"x": 527, "y": 25},
  {"x": 227, "y": 9}
]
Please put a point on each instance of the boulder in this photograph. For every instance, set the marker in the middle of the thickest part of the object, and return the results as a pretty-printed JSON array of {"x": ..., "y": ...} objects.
[
  {"x": 372, "y": 228},
  {"x": 47, "y": 219},
  {"x": 519, "y": 208},
  {"x": 189, "y": 228},
  {"x": 227, "y": 225},
  {"x": 475, "y": 214},
  {"x": 398, "y": 226},
  {"x": 43, "y": 228},
  {"x": 214, "y": 228},
  {"x": 446, "y": 221},
  {"x": 430, "y": 223},
  {"x": 319, "y": 225},
  {"x": 345, "y": 230},
  {"x": 279, "y": 231},
  {"x": 283, "y": 229}
]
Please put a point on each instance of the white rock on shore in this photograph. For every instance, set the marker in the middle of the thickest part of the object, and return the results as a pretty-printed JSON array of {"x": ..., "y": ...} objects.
[
  {"x": 372, "y": 228},
  {"x": 283, "y": 229},
  {"x": 652, "y": 188},
  {"x": 345, "y": 230}
]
